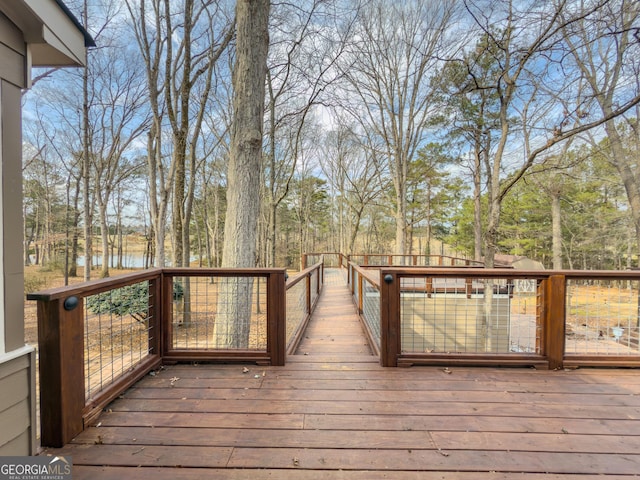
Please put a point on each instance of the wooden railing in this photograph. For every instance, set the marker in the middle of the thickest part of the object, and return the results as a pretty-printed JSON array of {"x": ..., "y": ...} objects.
[
  {"x": 106, "y": 334},
  {"x": 303, "y": 292},
  {"x": 334, "y": 259},
  {"x": 411, "y": 260},
  {"x": 499, "y": 317}
]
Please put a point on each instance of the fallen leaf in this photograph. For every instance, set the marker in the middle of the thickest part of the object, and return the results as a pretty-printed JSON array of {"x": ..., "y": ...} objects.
[
  {"x": 446, "y": 370},
  {"x": 245, "y": 370}
]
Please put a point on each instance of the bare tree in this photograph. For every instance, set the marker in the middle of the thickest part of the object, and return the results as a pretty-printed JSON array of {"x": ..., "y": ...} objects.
[
  {"x": 606, "y": 50},
  {"x": 529, "y": 43},
  {"x": 356, "y": 178},
  {"x": 243, "y": 175},
  {"x": 116, "y": 120},
  {"x": 395, "y": 50},
  {"x": 307, "y": 39},
  {"x": 180, "y": 49}
]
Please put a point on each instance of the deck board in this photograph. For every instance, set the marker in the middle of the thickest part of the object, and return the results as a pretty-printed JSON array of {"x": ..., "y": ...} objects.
[{"x": 333, "y": 413}]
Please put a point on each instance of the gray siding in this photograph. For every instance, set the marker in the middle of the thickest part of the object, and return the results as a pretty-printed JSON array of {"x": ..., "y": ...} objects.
[
  {"x": 17, "y": 405},
  {"x": 12, "y": 53}
]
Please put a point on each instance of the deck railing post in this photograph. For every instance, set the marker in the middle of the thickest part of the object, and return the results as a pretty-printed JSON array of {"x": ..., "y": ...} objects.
[
  {"x": 167, "y": 313},
  {"x": 554, "y": 320},
  {"x": 61, "y": 350},
  {"x": 277, "y": 317},
  {"x": 360, "y": 288},
  {"x": 307, "y": 282},
  {"x": 155, "y": 316},
  {"x": 390, "y": 342}
]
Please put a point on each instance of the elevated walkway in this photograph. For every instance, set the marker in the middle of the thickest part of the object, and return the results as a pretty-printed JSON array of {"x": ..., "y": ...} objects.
[{"x": 334, "y": 328}]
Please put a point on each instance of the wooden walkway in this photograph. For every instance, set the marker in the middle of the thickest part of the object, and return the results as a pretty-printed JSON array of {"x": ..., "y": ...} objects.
[{"x": 333, "y": 413}]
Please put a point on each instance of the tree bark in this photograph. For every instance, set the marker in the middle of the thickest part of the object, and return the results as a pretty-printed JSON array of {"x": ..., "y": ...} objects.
[
  {"x": 556, "y": 230},
  {"x": 252, "y": 44}
]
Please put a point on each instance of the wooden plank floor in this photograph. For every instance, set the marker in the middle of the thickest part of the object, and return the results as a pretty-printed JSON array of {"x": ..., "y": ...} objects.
[{"x": 333, "y": 413}]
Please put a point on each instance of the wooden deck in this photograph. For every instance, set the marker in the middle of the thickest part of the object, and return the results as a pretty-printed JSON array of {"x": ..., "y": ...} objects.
[{"x": 333, "y": 413}]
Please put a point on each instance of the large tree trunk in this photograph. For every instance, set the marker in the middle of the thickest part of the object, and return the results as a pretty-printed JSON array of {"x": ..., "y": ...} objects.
[
  {"x": 477, "y": 203},
  {"x": 104, "y": 235},
  {"x": 252, "y": 44},
  {"x": 556, "y": 230},
  {"x": 631, "y": 182}
]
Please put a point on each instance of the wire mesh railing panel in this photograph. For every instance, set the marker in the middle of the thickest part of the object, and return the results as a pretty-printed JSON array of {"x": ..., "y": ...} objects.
[
  {"x": 219, "y": 313},
  {"x": 371, "y": 309},
  {"x": 602, "y": 317},
  {"x": 457, "y": 315},
  {"x": 315, "y": 276},
  {"x": 118, "y": 331},
  {"x": 296, "y": 309},
  {"x": 355, "y": 276}
]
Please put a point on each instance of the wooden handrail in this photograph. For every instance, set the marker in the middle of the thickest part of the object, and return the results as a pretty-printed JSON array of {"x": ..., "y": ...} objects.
[{"x": 292, "y": 281}]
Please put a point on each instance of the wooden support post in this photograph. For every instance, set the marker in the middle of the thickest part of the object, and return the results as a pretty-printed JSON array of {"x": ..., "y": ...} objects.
[
  {"x": 468, "y": 286},
  {"x": 277, "y": 317},
  {"x": 167, "y": 313},
  {"x": 361, "y": 292},
  {"x": 61, "y": 349},
  {"x": 307, "y": 282},
  {"x": 154, "y": 320},
  {"x": 390, "y": 329},
  {"x": 554, "y": 320}
]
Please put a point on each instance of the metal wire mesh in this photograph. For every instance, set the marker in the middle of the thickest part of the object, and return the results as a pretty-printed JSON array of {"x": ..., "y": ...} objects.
[
  {"x": 457, "y": 315},
  {"x": 296, "y": 308},
  {"x": 219, "y": 312},
  {"x": 315, "y": 276},
  {"x": 602, "y": 317},
  {"x": 371, "y": 309},
  {"x": 117, "y": 329}
]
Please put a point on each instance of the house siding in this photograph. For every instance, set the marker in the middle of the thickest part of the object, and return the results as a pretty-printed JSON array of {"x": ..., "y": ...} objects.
[
  {"x": 17, "y": 405},
  {"x": 17, "y": 361}
]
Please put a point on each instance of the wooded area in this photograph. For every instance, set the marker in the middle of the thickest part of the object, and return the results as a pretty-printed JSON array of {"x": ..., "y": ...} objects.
[{"x": 491, "y": 126}]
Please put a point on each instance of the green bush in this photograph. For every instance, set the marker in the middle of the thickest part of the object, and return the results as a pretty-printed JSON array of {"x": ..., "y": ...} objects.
[{"x": 130, "y": 300}]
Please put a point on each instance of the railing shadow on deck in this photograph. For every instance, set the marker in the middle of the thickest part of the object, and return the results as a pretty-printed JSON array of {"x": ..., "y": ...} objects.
[{"x": 98, "y": 338}]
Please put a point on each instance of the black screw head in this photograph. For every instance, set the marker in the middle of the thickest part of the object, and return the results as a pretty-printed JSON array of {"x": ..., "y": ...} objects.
[{"x": 388, "y": 278}]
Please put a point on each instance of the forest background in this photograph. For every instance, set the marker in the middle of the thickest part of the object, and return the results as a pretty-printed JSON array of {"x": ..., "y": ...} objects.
[{"x": 484, "y": 126}]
